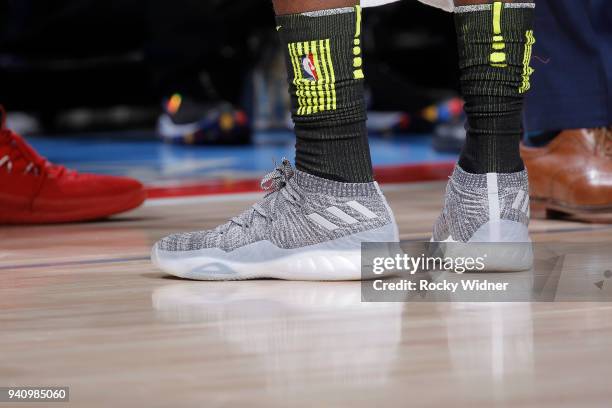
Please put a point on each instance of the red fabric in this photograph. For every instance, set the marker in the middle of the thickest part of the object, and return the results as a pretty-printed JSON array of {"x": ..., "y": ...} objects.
[{"x": 33, "y": 190}]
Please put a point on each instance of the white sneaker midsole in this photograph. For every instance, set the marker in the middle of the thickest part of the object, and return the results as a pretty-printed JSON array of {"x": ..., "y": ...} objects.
[
  {"x": 504, "y": 245},
  {"x": 339, "y": 259}
]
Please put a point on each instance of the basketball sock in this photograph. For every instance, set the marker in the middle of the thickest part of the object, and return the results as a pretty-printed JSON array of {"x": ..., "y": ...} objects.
[
  {"x": 495, "y": 42},
  {"x": 324, "y": 64}
]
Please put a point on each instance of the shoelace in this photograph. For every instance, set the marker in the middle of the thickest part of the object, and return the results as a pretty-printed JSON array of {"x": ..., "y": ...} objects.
[
  {"x": 20, "y": 149},
  {"x": 276, "y": 182}
]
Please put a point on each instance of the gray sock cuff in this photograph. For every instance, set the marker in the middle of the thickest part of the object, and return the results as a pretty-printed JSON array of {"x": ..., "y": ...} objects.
[
  {"x": 317, "y": 25},
  {"x": 487, "y": 7},
  {"x": 314, "y": 184},
  {"x": 479, "y": 181},
  {"x": 329, "y": 12},
  {"x": 478, "y": 24}
]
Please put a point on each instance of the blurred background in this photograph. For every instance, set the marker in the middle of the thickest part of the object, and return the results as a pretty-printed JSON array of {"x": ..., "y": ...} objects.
[{"x": 174, "y": 93}]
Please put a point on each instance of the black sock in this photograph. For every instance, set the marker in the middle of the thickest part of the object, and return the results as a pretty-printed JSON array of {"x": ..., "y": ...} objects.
[
  {"x": 324, "y": 62},
  {"x": 495, "y": 42}
]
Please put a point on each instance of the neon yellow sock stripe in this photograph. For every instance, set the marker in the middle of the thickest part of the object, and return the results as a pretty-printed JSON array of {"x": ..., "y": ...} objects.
[
  {"x": 358, "y": 12},
  {"x": 497, "y": 12},
  {"x": 294, "y": 62},
  {"x": 357, "y": 60},
  {"x": 332, "y": 77},
  {"x": 527, "y": 70},
  {"x": 300, "y": 88},
  {"x": 320, "y": 101},
  {"x": 302, "y": 80},
  {"x": 293, "y": 59},
  {"x": 325, "y": 72},
  {"x": 298, "y": 75},
  {"x": 498, "y": 58},
  {"x": 332, "y": 73},
  {"x": 308, "y": 84}
]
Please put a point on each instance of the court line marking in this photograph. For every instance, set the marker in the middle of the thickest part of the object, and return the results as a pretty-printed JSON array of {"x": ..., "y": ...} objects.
[{"x": 76, "y": 263}]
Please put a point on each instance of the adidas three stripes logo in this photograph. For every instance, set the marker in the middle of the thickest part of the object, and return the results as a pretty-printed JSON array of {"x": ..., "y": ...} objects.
[
  {"x": 341, "y": 215},
  {"x": 521, "y": 202}
]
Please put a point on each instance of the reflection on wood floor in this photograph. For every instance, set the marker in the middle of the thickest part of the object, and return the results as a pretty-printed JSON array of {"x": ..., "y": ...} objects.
[{"x": 81, "y": 306}]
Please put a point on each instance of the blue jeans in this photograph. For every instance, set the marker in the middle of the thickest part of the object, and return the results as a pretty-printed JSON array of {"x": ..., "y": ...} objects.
[{"x": 572, "y": 58}]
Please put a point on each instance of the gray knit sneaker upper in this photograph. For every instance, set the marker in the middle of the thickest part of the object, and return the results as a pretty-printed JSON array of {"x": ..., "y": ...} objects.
[
  {"x": 472, "y": 198},
  {"x": 298, "y": 210}
]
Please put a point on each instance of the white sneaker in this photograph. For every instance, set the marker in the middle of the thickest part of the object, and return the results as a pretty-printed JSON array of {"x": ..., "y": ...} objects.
[
  {"x": 487, "y": 214},
  {"x": 305, "y": 228}
]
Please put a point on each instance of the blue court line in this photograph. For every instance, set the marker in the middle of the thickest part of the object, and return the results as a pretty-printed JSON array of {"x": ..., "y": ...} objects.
[
  {"x": 150, "y": 160},
  {"x": 72, "y": 263}
]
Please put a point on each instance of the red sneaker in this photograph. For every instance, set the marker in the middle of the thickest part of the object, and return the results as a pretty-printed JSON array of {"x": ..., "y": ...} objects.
[{"x": 34, "y": 191}]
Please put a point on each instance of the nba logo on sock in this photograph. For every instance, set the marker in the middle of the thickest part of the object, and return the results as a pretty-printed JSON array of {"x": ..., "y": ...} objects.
[
  {"x": 314, "y": 76},
  {"x": 310, "y": 71}
]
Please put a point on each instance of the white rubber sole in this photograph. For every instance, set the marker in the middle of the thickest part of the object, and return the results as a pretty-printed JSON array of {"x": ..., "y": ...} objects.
[
  {"x": 503, "y": 246},
  {"x": 335, "y": 260}
]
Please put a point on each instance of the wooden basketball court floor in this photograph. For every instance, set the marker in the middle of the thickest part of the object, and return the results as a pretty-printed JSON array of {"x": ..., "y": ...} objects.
[{"x": 82, "y": 306}]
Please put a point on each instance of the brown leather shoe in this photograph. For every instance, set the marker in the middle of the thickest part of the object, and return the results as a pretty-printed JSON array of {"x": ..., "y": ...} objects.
[{"x": 572, "y": 175}]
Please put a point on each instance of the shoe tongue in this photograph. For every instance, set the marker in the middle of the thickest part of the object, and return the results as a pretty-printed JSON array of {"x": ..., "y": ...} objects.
[{"x": 253, "y": 218}]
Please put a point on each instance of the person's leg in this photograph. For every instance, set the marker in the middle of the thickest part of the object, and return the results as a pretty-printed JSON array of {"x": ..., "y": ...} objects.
[
  {"x": 312, "y": 221},
  {"x": 493, "y": 43},
  {"x": 568, "y": 47},
  {"x": 487, "y": 197},
  {"x": 572, "y": 85},
  {"x": 568, "y": 149},
  {"x": 322, "y": 45}
]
